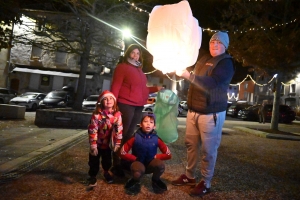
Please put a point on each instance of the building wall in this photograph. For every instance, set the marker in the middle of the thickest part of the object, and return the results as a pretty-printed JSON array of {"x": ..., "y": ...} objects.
[
  {"x": 27, "y": 55},
  {"x": 246, "y": 91}
]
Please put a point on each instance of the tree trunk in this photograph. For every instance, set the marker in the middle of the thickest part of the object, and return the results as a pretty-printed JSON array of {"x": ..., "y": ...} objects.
[
  {"x": 82, "y": 75},
  {"x": 276, "y": 102}
]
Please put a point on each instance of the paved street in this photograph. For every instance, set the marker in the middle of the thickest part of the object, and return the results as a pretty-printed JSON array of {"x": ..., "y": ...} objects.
[{"x": 248, "y": 167}]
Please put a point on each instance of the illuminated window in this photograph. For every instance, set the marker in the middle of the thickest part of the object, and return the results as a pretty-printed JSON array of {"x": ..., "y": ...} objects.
[{"x": 292, "y": 88}]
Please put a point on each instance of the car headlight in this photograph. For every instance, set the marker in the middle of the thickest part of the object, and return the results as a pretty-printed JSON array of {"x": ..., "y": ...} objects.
[
  {"x": 41, "y": 102},
  {"x": 30, "y": 100}
]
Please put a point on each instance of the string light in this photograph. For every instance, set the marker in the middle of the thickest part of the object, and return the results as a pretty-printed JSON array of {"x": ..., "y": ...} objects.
[
  {"x": 264, "y": 28},
  {"x": 141, "y": 10},
  {"x": 136, "y": 8},
  {"x": 151, "y": 72},
  {"x": 233, "y": 96},
  {"x": 210, "y": 30}
]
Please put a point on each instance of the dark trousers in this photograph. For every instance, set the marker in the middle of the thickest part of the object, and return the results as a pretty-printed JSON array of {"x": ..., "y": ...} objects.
[
  {"x": 262, "y": 118},
  {"x": 156, "y": 166},
  {"x": 94, "y": 161},
  {"x": 131, "y": 116}
]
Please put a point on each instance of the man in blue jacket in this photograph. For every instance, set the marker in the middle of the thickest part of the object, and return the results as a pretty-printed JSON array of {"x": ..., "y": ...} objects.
[{"x": 207, "y": 103}]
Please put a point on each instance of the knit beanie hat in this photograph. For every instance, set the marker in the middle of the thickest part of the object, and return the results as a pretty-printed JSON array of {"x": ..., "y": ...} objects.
[
  {"x": 104, "y": 94},
  {"x": 222, "y": 37},
  {"x": 148, "y": 114}
]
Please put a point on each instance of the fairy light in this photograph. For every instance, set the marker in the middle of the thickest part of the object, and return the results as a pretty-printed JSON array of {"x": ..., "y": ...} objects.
[
  {"x": 233, "y": 96},
  {"x": 145, "y": 11},
  {"x": 134, "y": 6},
  {"x": 211, "y": 30},
  {"x": 264, "y": 28},
  {"x": 150, "y": 72}
]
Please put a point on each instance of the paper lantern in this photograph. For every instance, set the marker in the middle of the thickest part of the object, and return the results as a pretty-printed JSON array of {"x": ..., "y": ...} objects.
[{"x": 174, "y": 37}]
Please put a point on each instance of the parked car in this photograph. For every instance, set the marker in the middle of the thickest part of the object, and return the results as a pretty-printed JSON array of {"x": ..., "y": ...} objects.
[
  {"x": 151, "y": 100},
  {"x": 234, "y": 109},
  {"x": 286, "y": 114},
  {"x": 6, "y": 95},
  {"x": 90, "y": 102},
  {"x": 30, "y": 100},
  {"x": 249, "y": 113},
  {"x": 183, "y": 105},
  {"x": 149, "y": 107},
  {"x": 57, "y": 99}
]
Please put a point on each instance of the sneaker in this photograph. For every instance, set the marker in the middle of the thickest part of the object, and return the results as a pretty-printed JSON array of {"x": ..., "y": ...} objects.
[
  {"x": 132, "y": 187},
  {"x": 159, "y": 186},
  {"x": 117, "y": 171},
  {"x": 92, "y": 181},
  {"x": 184, "y": 180},
  {"x": 108, "y": 177},
  {"x": 199, "y": 190}
]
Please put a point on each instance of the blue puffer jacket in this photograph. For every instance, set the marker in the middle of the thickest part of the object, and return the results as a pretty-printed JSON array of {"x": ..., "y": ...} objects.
[{"x": 145, "y": 146}]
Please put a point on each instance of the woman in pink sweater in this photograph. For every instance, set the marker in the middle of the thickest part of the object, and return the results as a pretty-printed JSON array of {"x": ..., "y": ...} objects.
[{"x": 130, "y": 89}]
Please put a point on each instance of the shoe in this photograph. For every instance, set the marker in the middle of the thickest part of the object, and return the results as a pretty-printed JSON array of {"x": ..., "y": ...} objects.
[
  {"x": 117, "y": 171},
  {"x": 92, "y": 181},
  {"x": 184, "y": 180},
  {"x": 199, "y": 190},
  {"x": 108, "y": 177},
  {"x": 132, "y": 187},
  {"x": 159, "y": 186}
]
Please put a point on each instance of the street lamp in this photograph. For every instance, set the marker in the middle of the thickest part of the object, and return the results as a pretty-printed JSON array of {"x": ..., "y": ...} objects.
[{"x": 126, "y": 33}]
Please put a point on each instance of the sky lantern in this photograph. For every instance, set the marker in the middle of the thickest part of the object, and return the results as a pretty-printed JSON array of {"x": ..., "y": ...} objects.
[{"x": 174, "y": 37}]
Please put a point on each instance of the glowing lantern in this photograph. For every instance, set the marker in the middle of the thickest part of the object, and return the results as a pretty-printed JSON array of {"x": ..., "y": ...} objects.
[{"x": 174, "y": 37}]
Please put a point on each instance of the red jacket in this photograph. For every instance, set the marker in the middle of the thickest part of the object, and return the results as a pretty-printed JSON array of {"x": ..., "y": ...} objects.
[
  {"x": 165, "y": 155},
  {"x": 129, "y": 85}
]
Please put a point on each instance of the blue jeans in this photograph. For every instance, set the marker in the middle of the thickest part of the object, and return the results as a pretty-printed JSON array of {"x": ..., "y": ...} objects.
[{"x": 203, "y": 134}]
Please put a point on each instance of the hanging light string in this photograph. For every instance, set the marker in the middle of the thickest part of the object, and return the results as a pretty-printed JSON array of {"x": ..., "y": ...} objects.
[
  {"x": 150, "y": 72},
  {"x": 233, "y": 96},
  {"x": 264, "y": 28},
  {"x": 145, "y": 11},
  {"x": 177, "y": 81},
  {"x": 211, "y": 30},
  {"x": 136, "y": 8},
  {"x": 265, "y": 84},
  {"x": 237, "y": 84}
]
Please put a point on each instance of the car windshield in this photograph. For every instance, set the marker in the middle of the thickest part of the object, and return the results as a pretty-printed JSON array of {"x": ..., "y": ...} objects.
[
  {"x": 92, "y": 98},
  {"x": 29, "y": 96},
  {"x": 53, "y": 95}
]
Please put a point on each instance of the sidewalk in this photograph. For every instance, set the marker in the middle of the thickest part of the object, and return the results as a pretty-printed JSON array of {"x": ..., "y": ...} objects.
[{"x": 55, "y": 162}]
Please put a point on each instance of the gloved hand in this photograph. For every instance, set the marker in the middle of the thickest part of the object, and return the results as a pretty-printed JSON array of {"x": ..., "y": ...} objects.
[
  {"x": 117, "y": 147},
  {"x": 93, "y": 151},
  {"x": 183, "y": 73}
]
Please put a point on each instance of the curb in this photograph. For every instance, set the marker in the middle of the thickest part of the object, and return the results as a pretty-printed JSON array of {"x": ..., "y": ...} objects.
[
  {"x": 267, "y": 135},
  {"x": 14, "y": 164}
]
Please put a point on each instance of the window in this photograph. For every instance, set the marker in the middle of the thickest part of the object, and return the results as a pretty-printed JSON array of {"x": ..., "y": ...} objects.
[
  {"x": 36, "y": 53},
  {"x": 161, "y": 80},
  {"x": 245, "y": 95},
  {"x": 282, "y": 89},
  {"x": 61, "y": 57},
  {"x": 246, "y": 85},
  {"x": 40, "y": 24},
  {"x": 45, "y": 80},
  {"x": 292, "y": 88},
  {"x": 261, "y": 89}
]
